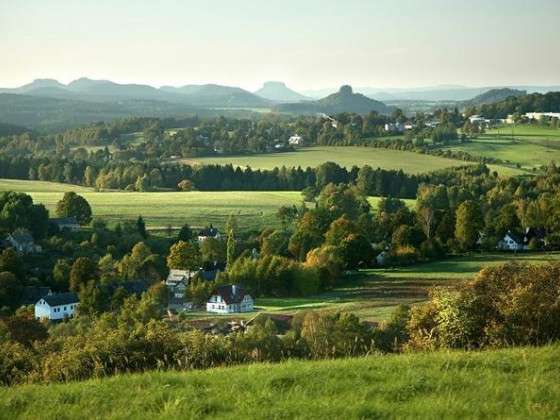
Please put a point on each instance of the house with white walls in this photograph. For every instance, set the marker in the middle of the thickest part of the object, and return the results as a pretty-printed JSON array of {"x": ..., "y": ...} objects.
[
  {"x": 56, "y": 307},
  {"x": 229, "y": 299}
]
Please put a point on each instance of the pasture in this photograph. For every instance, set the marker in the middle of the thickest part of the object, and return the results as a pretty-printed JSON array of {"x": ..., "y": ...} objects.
[
  {"x": 253, "y": 209},
  {"x": 347, "y": 156},
  {"x": 515, "y": 383},
  {"x": 529, "y": 147}
]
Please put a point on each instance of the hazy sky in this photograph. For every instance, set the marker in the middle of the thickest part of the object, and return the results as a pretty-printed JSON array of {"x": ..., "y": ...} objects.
[{"x": 306, "y": 43}]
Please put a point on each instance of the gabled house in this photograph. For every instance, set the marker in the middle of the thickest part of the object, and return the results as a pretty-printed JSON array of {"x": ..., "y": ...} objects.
[
  {"x": 295, "y": 140},
  {"x": 69, "y": 224},
  {"x": 511, "y": 242},
  {"x": 22, "y": 241},
  {"x": 56, "y": 307},
  {"x": 229, "y": 299},
  {"x": 209, "y": 232},
  {"x": 177, "y": 282}
]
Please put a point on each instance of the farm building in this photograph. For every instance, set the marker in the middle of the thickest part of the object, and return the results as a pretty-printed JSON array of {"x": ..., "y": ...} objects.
[
  {"x": 295, "y": 140},
  {"x": 57, "y": 306},
  {"x": 229, "y": 299}
]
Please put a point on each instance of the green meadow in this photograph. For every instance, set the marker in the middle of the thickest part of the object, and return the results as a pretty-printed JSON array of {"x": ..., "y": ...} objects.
[
  {"x": 525, "y": 145},
  {"x": 253, "y": 209},
  {"x": 517, "y": 383},
  {"x": 347, "y": 156}
]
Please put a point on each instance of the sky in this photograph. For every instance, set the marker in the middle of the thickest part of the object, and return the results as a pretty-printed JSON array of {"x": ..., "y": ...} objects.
[{"x": 308, "y": 44}]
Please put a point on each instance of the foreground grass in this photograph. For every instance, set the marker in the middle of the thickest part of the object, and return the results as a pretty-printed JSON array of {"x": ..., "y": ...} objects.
[
  {"x": 517, "y": 383},
  {"x": 345, "y": 156}
]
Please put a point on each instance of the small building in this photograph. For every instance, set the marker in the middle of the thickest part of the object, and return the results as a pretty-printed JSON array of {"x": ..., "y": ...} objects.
[
  {"x": 208, "y": 232},
  {"x": 295, "y": 140},
  {"x": 177, "y": 282},
  {"x": 229, "y": 299},
  {"x": 22, "y": 241},
  {"x": 55, "y": 307},
  {"x": 396, "y": 127},
  {"x": 69, "y": 224},
  {"x": 511, "y": 242}
]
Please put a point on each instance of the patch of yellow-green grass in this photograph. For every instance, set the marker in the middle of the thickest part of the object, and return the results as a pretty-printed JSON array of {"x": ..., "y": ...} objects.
[
  {"x": 516, "y": 383},
  {"x": 252, "y": 209},
  {"x": 39, "y": 186},
  {"x": 348, "y": 156}
]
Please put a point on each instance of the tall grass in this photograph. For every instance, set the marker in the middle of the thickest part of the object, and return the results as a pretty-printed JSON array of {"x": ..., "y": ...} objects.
[{"x": 514, "y": 383}]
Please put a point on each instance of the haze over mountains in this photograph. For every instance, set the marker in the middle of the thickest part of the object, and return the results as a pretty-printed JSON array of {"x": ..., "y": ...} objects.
[{"x": 49, "y": 104}]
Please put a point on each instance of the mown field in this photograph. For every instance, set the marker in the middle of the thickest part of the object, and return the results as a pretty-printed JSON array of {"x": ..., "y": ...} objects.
[
  {"x": 517, "y": 383},
  {"x": 530, "y": 146},
  {"x": 373, "y": 294},
  {"x": 345, "y": 156},
  {"x": 253, "y": 209}
]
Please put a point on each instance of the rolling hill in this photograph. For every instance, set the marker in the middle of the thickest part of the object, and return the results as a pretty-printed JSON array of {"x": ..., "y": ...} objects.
[
  {"x": 279, "y": 92},
  {"x": 217, "y": 96},
  {"x": 516, "y": 383},
  {"x": 494, "y": 95},
  {"x": 345, "y": 100}
]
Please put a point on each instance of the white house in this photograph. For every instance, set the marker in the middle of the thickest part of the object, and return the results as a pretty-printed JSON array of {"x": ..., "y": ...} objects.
[
  {"x": 511, "y": 242},
  {"x": 295, "y": 140},
  {"x": 229, "y": 299},
  {"x": 56, "y": 306},
  {"x": 22, "y": 241}
]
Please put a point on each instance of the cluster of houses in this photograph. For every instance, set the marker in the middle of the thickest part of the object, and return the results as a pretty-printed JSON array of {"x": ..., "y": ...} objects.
[{"x": 398, "y": 127}]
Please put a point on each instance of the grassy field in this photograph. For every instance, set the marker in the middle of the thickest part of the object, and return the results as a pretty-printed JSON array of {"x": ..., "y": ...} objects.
[
  {"x": 530, "y": 147},
  {"x": 374, "y": 294},
  {"x": 39, "y": 186},
  {"x": 345, "y": 156},
  {"x": 253, "y": 209},
  {"x": 520, "y": 383}
]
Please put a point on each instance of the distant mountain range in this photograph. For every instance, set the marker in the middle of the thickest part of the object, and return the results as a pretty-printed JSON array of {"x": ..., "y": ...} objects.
[
  {"x": 431, "y": 93},
  {"x": 84, "y": 89},
  {"x": 279, "y": 92},
  {"x": 49, "y": 104},
  {"x": 345, "y": 100}
]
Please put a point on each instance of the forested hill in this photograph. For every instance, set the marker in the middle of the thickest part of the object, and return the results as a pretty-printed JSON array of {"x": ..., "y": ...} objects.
[
  {"x": 494, "y": 95},
  {"x": 345, "y": 100},
  {"x": 535, "y": 102}
]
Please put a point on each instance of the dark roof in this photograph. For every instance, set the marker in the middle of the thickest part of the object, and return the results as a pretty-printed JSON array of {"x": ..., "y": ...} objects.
[
  {"x": 515, "y": 237},
  {"x": 534, "y": 233},
  {"x": 230, "y": 293},
  {"x": 22, "y": 237},
  {"x": 209, "y": 231},
  {"x": 64, "y": 221},
  {"x": 61, "y": 299},
  {"x": 130, "y": 287},
  {"x": 31, "y": 294}
]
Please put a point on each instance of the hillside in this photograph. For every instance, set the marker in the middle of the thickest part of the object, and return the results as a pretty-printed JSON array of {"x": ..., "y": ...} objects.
[
  {"x": 345, "y": 100},
  {"x": 494, "y": 95},
  {"x": 57, "y": 113},
  {"x": 279, "y": 92},
  {"x": 515, "y": 383},
  {"x": 211, "y": 95}
]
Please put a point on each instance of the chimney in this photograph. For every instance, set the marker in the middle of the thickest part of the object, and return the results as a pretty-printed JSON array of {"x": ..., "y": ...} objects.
[{"x": 233, "y": 289}]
